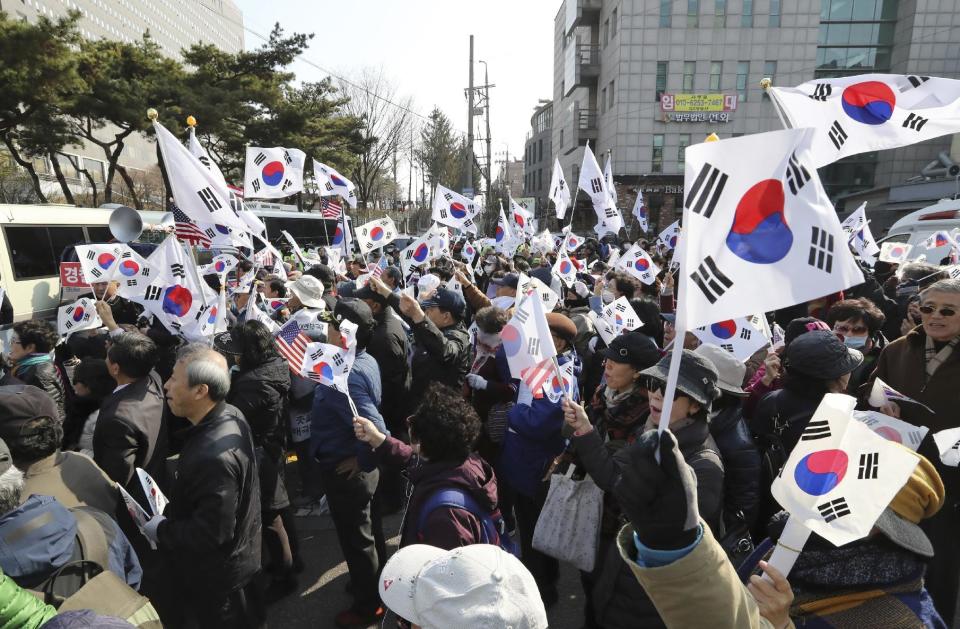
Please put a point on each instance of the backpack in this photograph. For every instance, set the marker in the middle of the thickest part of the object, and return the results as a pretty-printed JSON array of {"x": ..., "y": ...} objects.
[{"x": 493, "y": 527}]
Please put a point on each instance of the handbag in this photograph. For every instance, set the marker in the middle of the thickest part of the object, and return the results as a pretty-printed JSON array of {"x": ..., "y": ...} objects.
[
  {"x": 737, "y": 542},
  {"x": 568, "y": 528}
]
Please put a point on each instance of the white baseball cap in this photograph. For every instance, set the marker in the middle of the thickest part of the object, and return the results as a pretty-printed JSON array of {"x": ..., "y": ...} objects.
[{"x": 479, "y": 586}]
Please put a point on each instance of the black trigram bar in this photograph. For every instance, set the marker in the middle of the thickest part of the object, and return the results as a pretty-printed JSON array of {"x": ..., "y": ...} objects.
[
  {"x": 596, "y": 185},
  {"x": 797, "y": 174},
  {"x": 821, "y": 91},
  {"x": 837, "y": 135},
  {"x": 821, "y": 249},
  {"x": 153, "y": 293},
  {"x": 706, "y": 190},
  {"x": 177, "y": 270},
  {"x": 533, "y": 346},
  {"x": 256, "y": 185},
  {"x": 914, "y": 122},
  {"x": 91, "y": 254},
  {"x": 520, "y": 316},
  {"x": 727, "y": 347},
  {"x": 259, "y": 159},
  {"x": 917, "y": 81},
  {"x": 287, "y": 158},
  {"x": 447, "y": 196},
  {"x": 819, "y": 429},
  {"x": 869, "y": 466},
  {"x": 745, "y": 334},
  {"x": 834, "y": 509},
  {"x": 710, "y": 280},
  {"x": 209, "y": 199}
]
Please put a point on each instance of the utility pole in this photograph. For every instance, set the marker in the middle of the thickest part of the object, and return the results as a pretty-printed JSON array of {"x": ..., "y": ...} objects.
[
  {"x": 396, "y": 184},
  {"x": 410, "y": 182},
  {"x": 486, "y": 91},
  {"x": 468, "y": 158}
]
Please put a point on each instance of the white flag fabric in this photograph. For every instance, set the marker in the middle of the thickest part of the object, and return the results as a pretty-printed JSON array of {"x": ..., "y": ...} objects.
[
  {"x": 342, "y": 237},
  {"x": 378, "y": 233},
  {"x": 948, "y": 446},
  {"x": 197, "y": 150},
  {"x": 542, "y": 243},
  {"x": 549, "y": 297},
  {"x": 552, "y": 387},
  {"x": 330, "y": 364},
  {"x": 297, "y": 251},
  {"x": 737, "y": 336},
  {"x": 856, "y": 220},
  {"x": 522, "y": 217},
  {"x": 330, "y": 182},
  {"x": 841, "y": 475},
  {"x": 439, "y": 241},
  {"x": 777, "y": 336},
  {"x": 571, "y": 241},
  {"x": 759, "y": 231},
  {"x": 621, "y": 315},
  {"x": 198, "y": 192},
  {"x": 881, "y": 393},
  {"x": 416, "y": 254},
  {"x": 895, "y": 252},
  {"x": 99, "y": 263},
  {"x": 174, "y": 296},
  {"x": 608, "y": 179},
  {"x": 604, "y": 328},
  {"x": 869, "y": 112},
  {"x": 526, "y": 337},
  {"x": 80, "y": 315},
  {"x": 503, "y": 234},
  {"x": 593, "y": 182},
  {"x": 759, "y": 321},
  {"x": 565, "y": 269},
  {"x": 892, "y": 429},
  {"x": 273, "y": 173},
  {"x": 559, "y": 191},
  {"x": 256, "y": 312},
  {"x": 220, "y": 265},
  {"x": 864, "y": 244},
  {"x": 939, "y": 239},
  {"x": 469, "y": 252},
  {"x": 668, "y": 237},
  {"x": 639, "y": 264},
  {"x": 453, "y": 209},
  {"x": 640, "y": 211}
]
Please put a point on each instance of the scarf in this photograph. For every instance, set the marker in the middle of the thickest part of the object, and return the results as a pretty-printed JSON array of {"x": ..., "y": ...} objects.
[
  {"x": 933, "y": 358},
  {"x": 30, "y": 361},
  {"x": 620, "y": 414}
]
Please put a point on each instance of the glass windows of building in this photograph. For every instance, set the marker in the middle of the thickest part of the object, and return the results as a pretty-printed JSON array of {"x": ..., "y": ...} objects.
[
  {"x": 656, "y": 158},
  {"x": 689, "y": 71},
  {"x": 855, "y": 36},
  {"x": 612, "y": 92},
  {"x": 770, "y": 72},
  {"x": 666, "y": 7},
  {"x": 746, "y": 17},
  {"x": 719, "y": 13},
  {"x": 661, "y": 78},
  {"x": 743, "y": 77},
  {"x": 613, "y": 23},
  {"x": 684, "y": 142},
  {"x": 693, "y": 13},
  {"x": 606, "y": 32},
  {"x": 603, "y": 100},
  {"x": 716, "y": 71},
  {"x": 774, "y": 18}
]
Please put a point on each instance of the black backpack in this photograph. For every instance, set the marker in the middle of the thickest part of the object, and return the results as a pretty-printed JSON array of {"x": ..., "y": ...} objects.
[{"x": 91, "y": 556}]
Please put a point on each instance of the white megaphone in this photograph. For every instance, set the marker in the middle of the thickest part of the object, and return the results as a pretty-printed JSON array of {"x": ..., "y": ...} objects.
[{"x": 125, "y": 222}]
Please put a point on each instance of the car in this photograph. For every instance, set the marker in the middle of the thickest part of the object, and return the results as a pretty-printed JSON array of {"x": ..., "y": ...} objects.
[{"x": 916, "y": 227}]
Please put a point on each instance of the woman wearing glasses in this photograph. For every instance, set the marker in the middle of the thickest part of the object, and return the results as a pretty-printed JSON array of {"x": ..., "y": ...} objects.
[
  {"x": 924, "y": 365},
  {"x": 614, "y": 600},
  {"x": 858, "y": 323}
]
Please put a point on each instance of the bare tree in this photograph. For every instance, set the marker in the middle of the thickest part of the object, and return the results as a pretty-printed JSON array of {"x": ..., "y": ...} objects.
[{"x": 386, "y": 117}]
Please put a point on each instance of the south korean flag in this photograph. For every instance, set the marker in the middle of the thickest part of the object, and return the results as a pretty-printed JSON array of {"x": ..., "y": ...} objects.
[
  {"x": 571, "y": 241},
  {"x": 668, "y": 238},
  {"x": 455, "y": 210},
  {"x": 80, "y": 315},
  {"x": 737, "y": 336},
  {"x": 378, "y": 233},
  {"x": 621, "y": 315},
  {"x": 565, "y": 269},
  {"x": 869, "y": 112},
  {"x": 638, "y": 263},
  {"x": 759, "y": 231},
  {"x": 273, "y": 173},
  {"x": 330, "y": 182},
  {"x": 841, "y": 475}
]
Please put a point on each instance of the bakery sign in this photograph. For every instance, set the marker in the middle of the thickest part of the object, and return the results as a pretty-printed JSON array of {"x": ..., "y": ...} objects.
[{"x": 697, "y": 107}]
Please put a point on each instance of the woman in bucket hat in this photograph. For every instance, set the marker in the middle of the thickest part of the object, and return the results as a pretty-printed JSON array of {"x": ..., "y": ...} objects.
[{"x": 616, "y": 600}]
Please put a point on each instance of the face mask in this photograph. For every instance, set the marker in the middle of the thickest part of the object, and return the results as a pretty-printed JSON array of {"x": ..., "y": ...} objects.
[
  {"x": 607, "y": 296},
  {"x": 489, "y": 267},
  {"x": 856, "y": 342}
]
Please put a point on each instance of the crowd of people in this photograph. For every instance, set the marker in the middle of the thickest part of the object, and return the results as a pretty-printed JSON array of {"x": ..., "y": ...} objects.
[{"x": 434, "y": 425}]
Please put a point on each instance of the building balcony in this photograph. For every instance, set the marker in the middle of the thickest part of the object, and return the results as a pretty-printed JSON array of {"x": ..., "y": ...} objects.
[
  {"x": 582, "y": 13},
  {"x": 583, "y": 63},
  {"x": 584, "y": 127}
]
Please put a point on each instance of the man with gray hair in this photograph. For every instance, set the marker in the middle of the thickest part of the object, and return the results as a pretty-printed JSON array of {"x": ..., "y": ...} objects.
[{"x": 210, "y": 531}]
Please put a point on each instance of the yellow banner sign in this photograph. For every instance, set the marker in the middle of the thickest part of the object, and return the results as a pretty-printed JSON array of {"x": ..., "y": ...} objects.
[{"x": 698, "y": 102}]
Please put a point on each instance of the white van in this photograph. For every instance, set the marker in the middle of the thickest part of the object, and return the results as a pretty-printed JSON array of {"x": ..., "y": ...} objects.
[
  {"x": 917, "y": 226},
  {"x": 32, "y": 237}
]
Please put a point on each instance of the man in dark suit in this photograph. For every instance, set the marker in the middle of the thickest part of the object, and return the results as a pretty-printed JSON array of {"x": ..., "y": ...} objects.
[{"x": 131, "y": 431}]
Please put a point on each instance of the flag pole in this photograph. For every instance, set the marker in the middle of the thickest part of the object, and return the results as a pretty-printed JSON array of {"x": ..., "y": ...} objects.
[{"x": 789, "y": 546}]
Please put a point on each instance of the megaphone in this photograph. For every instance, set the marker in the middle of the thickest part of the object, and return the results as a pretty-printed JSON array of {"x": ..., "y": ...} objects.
[{"x": 125, "y": 224}]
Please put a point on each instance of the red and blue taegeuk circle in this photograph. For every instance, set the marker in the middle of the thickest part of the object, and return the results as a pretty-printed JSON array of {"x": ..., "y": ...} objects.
[
  {"x": 220, "y": 266},
  {"x": 555, "y": 385},
  {"x": 129, "y": 268},
  {"x": 760, "y": 233},
  {"x": 869, "y": 102},
  {"x": 498, "y": 235},
  {"x": 323, "y": 370},
  {"x": 376, "y": 233},
  {"x": 940, "y": 241},
  {"x": 338, "y": 236},
  {"x": 78, "y": 313},
  {"x": 512, "y": 340},
  {"x": 641, "y": 264},
  {"x": 890, "y": 434},
  {"x": 519, "y": 219},
  {"x": 724, "y": 329},
  {"x": 223, "y": 229},
  {"x": 673, "y": 241},
  {"x": 104, "y": 260},
  {"x": 213, "y": 315},
  {"x": 272, "y": 173},
  {"x": 421, "y": 252},
  {"x": 566, "y": 267},
  {"x": 337, "y": 181},
  {"x": 177, "y": 300},
  {"x": 820, "y": 472},
  {"x": 457, "y": 210}
]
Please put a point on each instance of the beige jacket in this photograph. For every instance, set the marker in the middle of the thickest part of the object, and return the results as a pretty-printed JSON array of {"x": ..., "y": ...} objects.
[
  {"x": 73, "y": 479},
  {"x": 698, "y": 590}
]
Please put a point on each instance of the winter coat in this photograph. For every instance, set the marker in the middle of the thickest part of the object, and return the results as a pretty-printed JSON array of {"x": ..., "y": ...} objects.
[
  {"x": 389, "y": 347},
  {"x": 332, "y": 438},
  {"x": 741, "y": 465},
  {"x": 211, "y": 537},
  {"x": 73, "y": 479},
  {"x": 40, "y": 536},
  {"x": 131, "y": 432},
  {"x": 500, "y": 388},
  {"x": 20, "y": 609},
  {"x": 260, "y": 394},
  {"x": 44, "y": 376},
  {"x": 532, "y": 440},
  {"x": 445, "y": 527}
]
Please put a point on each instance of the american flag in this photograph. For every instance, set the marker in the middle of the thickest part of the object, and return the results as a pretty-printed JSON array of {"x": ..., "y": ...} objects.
[
  {"x": 376, "y": 269},
  {"x": 535, "y": 376},
  {"x": 238, "y": 191},
  {"x": 188, "y": 231},
  {"x": 292, "y": 343},
  {"x": 330, "y": 208}
]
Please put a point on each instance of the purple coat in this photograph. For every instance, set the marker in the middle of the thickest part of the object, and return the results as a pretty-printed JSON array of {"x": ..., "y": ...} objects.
[{"x": 445, "y": 527}]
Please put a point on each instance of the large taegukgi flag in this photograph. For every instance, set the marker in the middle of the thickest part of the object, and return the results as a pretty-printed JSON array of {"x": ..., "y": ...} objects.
[
  {"x": 759, "y": 231},
  {"x": 870, "y": 112},
  {"x": 273, "y": 173}
]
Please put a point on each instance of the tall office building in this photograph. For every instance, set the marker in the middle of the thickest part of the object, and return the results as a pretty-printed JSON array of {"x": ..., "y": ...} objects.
[
  {"x": 538, "y": 155},
  {"x": 644, "y": 79}
]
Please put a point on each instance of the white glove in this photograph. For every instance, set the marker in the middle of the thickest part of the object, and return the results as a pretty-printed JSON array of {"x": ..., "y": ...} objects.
[
  {"x": 150, "y": 528},
  {"x": 524, "y": 394},
  {"x": 581, "y": 289},
  {"x": 476, "y": 381}
]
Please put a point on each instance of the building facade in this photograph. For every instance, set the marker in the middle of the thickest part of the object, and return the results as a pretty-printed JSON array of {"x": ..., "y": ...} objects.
[
  {"x": 538, "y": 155},
  {"x": 645, "y": 79}
]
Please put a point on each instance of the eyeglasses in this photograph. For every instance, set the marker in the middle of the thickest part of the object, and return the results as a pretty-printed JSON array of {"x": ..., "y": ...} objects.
[
  {"x": 846, "y": 330},
  {"x": 944, "y": 312}
]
